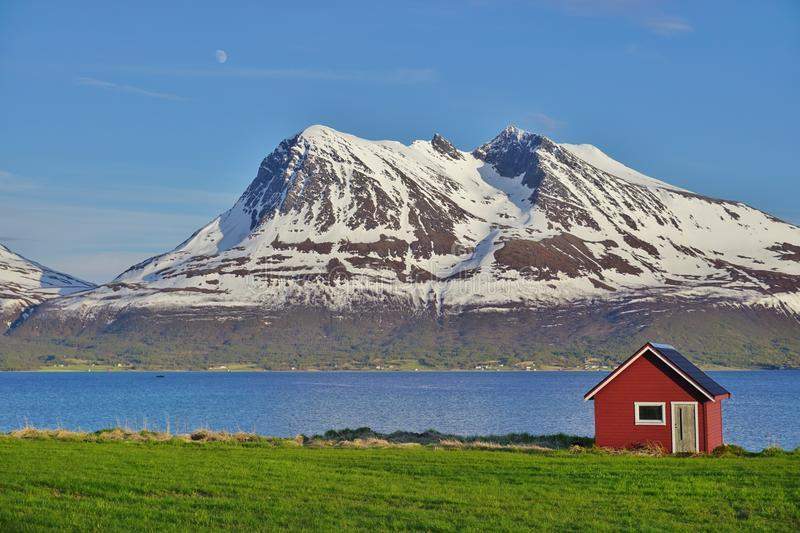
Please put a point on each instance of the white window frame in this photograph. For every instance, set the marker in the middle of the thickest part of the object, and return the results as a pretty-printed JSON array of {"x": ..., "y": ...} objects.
[{"x": 662, "y": 422}]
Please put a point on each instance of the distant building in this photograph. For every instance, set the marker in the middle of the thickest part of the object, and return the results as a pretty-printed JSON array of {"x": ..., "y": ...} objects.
[{"x": 658, "y": 396}]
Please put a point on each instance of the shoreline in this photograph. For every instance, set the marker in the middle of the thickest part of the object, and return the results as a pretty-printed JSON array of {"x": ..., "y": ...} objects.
[
  {"x": 354, "y": 370},
  {"x": 365, "y": 437}
]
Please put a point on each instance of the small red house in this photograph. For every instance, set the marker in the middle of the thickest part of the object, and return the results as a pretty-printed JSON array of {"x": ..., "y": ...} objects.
[{"x": 658, "y": 396}]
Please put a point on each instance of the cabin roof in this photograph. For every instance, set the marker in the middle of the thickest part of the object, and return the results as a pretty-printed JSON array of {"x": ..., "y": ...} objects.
[
  {"x": 673, "y": 358},
  {"x": 699, "y": 377}
]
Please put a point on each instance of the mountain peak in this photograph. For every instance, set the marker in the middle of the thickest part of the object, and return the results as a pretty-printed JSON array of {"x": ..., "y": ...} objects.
[
  {"x": 445, "y": 147},
  {"x": 514, "y": 152},
  {"x": 318, "y": 130},
  {"x": 319, "y": 134},
  {"x": 512, "y": 137},
  {"x": 512, "y": 130}
]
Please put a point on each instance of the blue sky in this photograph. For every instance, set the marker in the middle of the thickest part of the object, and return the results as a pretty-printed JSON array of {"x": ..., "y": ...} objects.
[{"x": 121, "y": 132}]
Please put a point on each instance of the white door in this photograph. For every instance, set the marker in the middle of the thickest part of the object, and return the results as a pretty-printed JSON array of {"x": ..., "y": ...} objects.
[{"x": 684, "y": 427}]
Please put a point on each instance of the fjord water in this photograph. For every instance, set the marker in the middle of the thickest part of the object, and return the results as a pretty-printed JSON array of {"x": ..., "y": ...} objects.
[{"x": 764, "y": 409}]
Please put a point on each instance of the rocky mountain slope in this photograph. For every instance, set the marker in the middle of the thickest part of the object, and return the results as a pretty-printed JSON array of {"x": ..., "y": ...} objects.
[
  {"x": 351, "y": 229},
  {"x": 24, "y": 283}
]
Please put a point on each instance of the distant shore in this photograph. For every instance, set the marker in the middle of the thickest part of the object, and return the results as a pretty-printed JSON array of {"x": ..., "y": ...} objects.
[{"x": 103, "y": 369}]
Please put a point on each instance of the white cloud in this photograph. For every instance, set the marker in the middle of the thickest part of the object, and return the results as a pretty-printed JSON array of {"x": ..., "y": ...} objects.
[
  {"x": 10, "y": 182},
  {"x": 151, "y": 195},
  {"x": 632, "y": 48},
  {"x": 55, "y": 191},
  {"x": 669, "y": 26},
  {"x": 91, "y": 232},
  {"x": 93, "y": 82},
  {"x": 71, "y": 238},
  {"x": 99, "y": 267},
  {"x": 545, "y": 122},
  {"x": 645, "y": 13},
  {"x": 390, "y": 76}
]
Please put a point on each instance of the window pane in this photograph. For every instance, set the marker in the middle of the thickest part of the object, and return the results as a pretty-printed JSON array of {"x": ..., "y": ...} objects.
[{"x": 650, "y": 412}]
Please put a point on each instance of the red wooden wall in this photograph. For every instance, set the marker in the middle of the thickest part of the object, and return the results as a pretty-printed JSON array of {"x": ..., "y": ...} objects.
[
  {"x": 713, "y": 412},
  {"x": 648, "y": 379}
]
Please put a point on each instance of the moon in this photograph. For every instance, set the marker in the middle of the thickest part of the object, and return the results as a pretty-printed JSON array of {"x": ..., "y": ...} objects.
[{"x": 221, "y": 55}]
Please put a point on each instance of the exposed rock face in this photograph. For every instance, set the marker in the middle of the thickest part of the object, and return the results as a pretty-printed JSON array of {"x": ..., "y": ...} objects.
[
  {"x": 337, "y": 224},
  {"x": 515, "y": 153},
  {"x": 445, "y": 147},
  {"x": 563, "y": 254}
]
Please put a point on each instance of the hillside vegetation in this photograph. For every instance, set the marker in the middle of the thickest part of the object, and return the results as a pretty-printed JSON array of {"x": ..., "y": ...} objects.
[{"x": 306, "y": 339}]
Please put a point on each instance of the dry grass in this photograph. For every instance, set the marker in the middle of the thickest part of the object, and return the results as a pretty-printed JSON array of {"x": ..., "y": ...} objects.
[
  {"x": 647, "y": 449},
  {"x": 124, "y": 434},
  {"x": 489, "y": 445}
]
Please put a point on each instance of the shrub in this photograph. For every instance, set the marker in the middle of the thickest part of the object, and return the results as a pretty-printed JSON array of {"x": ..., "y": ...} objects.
[
  {"x": 200, "y": 434},
  {"x": 349, "y": 434},
  {"x": 772, "y": 451},
  {"x": 729, "y": 450}
]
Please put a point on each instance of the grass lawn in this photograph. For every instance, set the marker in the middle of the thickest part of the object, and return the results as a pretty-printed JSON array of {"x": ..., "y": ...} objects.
[{"x": 130, "y": 485}]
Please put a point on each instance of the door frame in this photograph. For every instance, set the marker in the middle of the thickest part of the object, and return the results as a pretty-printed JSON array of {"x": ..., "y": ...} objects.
[{"x": 696, "y": 424}]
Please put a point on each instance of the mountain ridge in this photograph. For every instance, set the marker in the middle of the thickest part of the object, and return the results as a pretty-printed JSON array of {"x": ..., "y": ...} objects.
[
  {"x": 333, "y": 223},
  {"x": 301, "y": 206}
]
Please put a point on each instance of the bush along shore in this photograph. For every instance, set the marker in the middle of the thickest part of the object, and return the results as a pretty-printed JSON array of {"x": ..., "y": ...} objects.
[
  {"x": 367, "y": 438},
  {"x": 343, "y": 438}
]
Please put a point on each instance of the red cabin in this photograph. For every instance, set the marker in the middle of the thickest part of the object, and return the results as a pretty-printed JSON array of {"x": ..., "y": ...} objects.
[{"x": 657, "y": 396}]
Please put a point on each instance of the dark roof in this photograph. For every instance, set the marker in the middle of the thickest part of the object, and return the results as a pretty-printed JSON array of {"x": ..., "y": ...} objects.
[{"x": 689, "y": 368}]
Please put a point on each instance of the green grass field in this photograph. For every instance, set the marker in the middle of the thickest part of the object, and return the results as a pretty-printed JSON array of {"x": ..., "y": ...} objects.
[{"x": 130, "y": 485}]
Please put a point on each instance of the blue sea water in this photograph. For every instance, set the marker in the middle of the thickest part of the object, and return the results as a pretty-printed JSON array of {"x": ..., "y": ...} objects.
[{"x": 764, "y": 409}]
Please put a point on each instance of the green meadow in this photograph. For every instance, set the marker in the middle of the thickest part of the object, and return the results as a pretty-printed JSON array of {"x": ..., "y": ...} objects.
[{"x": 282, "y": 484}]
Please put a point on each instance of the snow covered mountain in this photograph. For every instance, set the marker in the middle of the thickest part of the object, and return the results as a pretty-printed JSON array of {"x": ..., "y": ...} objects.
[
  {"x": 334, "y": 221},
  {"x": 351, "y": 245},
  {"x": 24, "y": 283}
]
